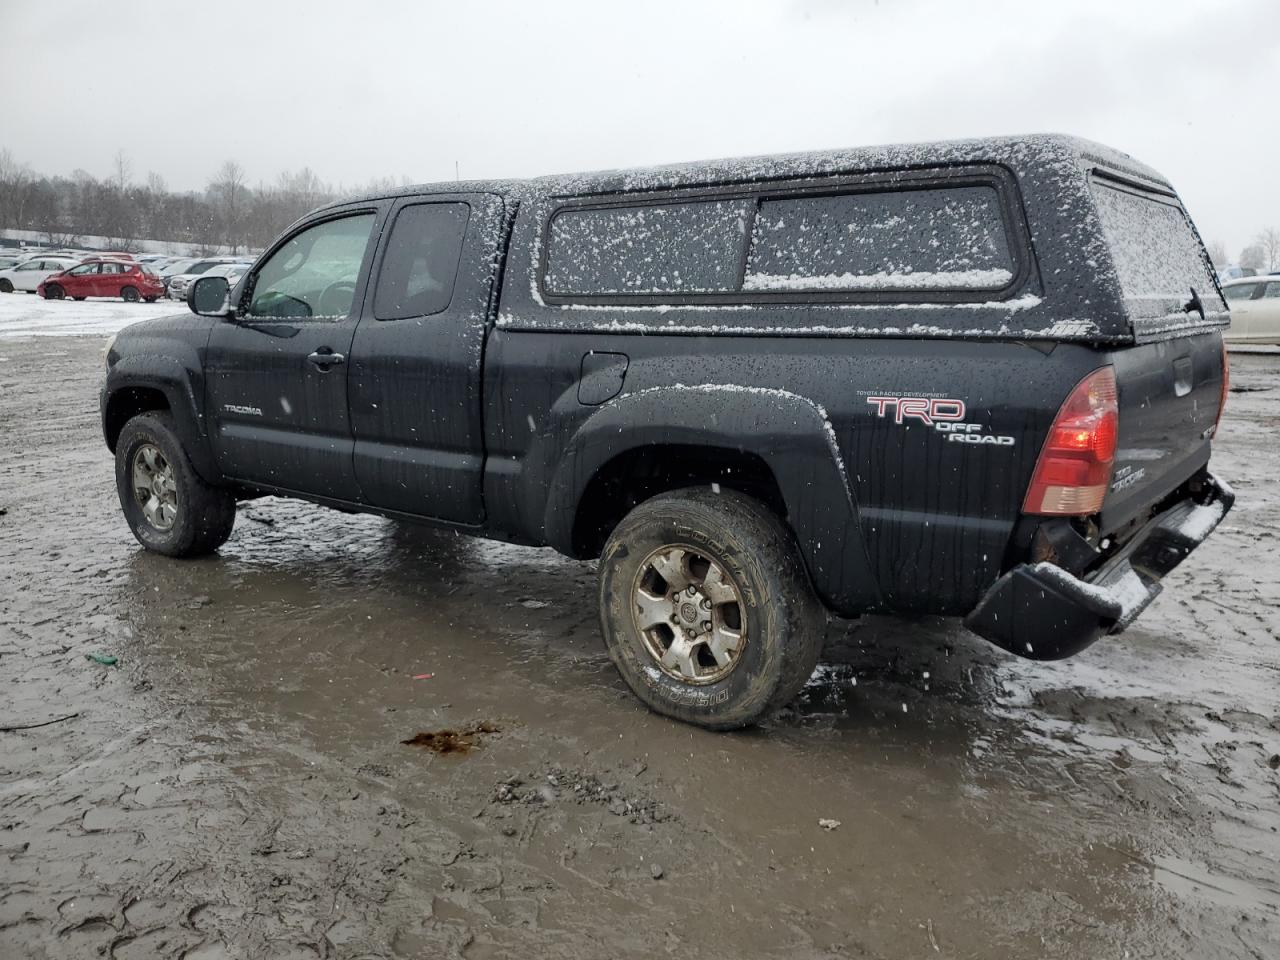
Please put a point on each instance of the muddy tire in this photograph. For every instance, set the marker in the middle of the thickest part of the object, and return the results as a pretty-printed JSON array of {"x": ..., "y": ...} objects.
[
  {"x": 54, "y": 292},
  {"x": 706, "y": 608},
  {"x": 170, "y": 509},
  {"x": 5, "y": 285}
]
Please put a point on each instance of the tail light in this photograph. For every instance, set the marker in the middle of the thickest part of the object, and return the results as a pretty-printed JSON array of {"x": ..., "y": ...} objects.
[
  {"x": 1226, "y": 387},
  {"x": 1074, "y": 468}
]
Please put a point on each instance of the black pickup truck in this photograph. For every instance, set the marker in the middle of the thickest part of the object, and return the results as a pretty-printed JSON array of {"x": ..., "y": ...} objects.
[{"x": 977, "y": 378}]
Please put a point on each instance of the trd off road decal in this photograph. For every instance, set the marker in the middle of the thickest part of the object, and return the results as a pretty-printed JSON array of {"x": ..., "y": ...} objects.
[
  {"x": 943, "y": 414},
  {"x": 1127, "y": 476}
]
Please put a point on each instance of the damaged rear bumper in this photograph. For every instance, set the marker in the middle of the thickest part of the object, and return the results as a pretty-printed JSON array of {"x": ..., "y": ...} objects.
[{"x": 1043, "y": 612}]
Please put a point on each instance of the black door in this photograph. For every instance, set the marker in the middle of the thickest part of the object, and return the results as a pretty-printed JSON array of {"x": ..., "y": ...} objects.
[
  {"x": 415, "y": 373},
  {"x": 277, "y": 371}
]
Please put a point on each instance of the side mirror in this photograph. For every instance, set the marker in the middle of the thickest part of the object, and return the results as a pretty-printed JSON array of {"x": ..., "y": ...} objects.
[{"x": 208, "y": 296}]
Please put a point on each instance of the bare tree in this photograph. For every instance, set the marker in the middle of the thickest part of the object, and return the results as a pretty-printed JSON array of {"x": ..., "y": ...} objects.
[
  {"x": 1218, "y": 253},
  {"x": 227, "y": 191},
  {"x": 1269, "y": 241},
  {"x": 1253, "y": 257},
  {"x": 121, "y": 171},
  {"x": 15, "y": 179}
]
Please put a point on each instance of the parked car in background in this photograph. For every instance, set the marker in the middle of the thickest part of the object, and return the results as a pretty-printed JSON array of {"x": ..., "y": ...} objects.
[
  {"x": 29, "y": 274},
  {"x": 7, "y": 262},
  {"x": 1234, "y": 272},
  {"x": 1255, "y": 309},
  {"x": 177, "y": 267},
  {"x": 176, "y": 287},
  {"x": 104, "y": 277}
]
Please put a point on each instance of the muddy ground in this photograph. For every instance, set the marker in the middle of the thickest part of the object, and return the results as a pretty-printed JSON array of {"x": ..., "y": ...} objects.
[{"x": 237, "y": 786}]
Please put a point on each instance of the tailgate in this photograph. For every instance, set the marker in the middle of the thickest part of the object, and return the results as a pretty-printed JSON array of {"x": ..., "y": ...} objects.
[{"x": 1168, "y": 395}]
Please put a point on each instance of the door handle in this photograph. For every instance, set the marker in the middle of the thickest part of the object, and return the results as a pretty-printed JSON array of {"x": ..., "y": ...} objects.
[{"x": 324, "y": 358}]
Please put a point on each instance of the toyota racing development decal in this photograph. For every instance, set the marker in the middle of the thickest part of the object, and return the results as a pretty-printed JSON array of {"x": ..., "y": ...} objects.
[{"x": 943, "y": 414}]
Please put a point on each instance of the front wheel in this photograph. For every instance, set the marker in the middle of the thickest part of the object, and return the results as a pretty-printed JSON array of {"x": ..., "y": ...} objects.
[
  {"x": 170, "y": 509},
  {"x": 54, "y": 292},
  {"x": 130, "y": 295},
  {"x": 706, "y": 608},
  {"x": 5, "y": 285},
  {"x": 77, "y": 298}
]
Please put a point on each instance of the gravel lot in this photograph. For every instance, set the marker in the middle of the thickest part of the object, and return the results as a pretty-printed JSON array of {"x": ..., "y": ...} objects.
[{"x": 237, "y": 785}]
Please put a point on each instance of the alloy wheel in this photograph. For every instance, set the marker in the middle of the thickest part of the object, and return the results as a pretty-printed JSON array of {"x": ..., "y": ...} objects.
[
  {"x": 690, "y": 613},
  {"x": 155, "y": 487}
]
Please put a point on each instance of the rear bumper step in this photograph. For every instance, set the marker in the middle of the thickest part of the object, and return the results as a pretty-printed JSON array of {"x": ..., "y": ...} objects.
[{"x": 1043, "y": 612}]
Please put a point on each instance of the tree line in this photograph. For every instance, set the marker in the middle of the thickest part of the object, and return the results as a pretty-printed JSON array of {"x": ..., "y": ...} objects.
[
  {"x": 1261, "y": 254},
  {"x": 227, "y": 213},
  {"x": 232, "y": 214}
]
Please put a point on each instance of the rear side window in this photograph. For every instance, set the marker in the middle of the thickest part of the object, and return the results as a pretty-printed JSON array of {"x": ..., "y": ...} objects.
[
  {"x": 421, "y": 262},
  {"x": 1157, "y": 255},
  {"x": 675, "y": 248},
  {"x": 938, "y": 239}
]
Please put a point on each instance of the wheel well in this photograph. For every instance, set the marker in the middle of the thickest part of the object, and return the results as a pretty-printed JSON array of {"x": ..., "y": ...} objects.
[
  {"x": 127, "y": 403},
  {"x": 645, "y": 472}
]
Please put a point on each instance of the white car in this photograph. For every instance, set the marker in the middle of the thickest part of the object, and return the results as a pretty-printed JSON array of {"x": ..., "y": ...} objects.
[
  {"x": 1255, "y": 309},
  {"x": 27, "y": 275}
]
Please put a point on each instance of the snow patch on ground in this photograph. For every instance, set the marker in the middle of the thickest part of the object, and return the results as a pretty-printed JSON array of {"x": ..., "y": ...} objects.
[{"x": 24, "y": 315}]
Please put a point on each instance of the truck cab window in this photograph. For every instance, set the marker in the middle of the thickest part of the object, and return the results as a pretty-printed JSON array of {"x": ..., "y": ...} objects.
[
  {"x": 421, "y": 262},
  {"x": 313, "y": 275}
]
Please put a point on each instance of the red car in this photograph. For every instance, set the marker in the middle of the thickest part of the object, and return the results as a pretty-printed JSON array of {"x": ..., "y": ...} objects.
[{"x": 102, "y": 277}]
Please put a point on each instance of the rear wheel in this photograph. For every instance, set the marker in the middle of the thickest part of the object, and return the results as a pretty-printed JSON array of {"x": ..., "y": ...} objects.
[
  {"x": 54, "y": 292},
  {"x": 5, "y": 285},
  {"x": 170, "y": 509},
  {"x": 150, "y": 299},
  {"x": 130, "y": 294},
  {"x": 706, "y": 608},
  {"x": 77, "y": 298}
]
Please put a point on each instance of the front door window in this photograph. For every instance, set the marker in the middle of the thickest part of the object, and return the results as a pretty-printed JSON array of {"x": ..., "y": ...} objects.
[{"x": 313, "y": 276}]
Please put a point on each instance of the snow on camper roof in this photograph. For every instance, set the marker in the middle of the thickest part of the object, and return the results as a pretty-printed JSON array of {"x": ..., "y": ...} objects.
[{"x": 1030, "y": 150}]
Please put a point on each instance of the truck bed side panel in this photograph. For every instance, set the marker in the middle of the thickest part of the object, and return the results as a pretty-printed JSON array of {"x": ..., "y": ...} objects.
[{"x": 936, "y": 513}]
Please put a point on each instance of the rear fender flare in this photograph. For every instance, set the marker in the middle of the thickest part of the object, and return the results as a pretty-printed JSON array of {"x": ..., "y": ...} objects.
[{"x": 791, "y": 433}]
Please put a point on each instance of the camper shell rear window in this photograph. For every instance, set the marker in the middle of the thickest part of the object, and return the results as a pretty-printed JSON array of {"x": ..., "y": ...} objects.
[{"x": 954, "y": 236}]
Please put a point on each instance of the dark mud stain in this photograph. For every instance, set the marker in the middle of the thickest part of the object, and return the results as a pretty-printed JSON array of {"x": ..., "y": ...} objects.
[{"x": 452, "y": 741}]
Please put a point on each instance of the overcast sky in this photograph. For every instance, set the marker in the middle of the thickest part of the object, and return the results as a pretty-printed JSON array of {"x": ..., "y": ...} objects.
[{"x": 357, "y": 89}]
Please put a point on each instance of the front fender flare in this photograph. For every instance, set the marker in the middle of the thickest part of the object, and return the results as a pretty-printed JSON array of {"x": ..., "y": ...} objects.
[
  {"x": 182, "y": 387},
  {"x": 789, "y": 432}
]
